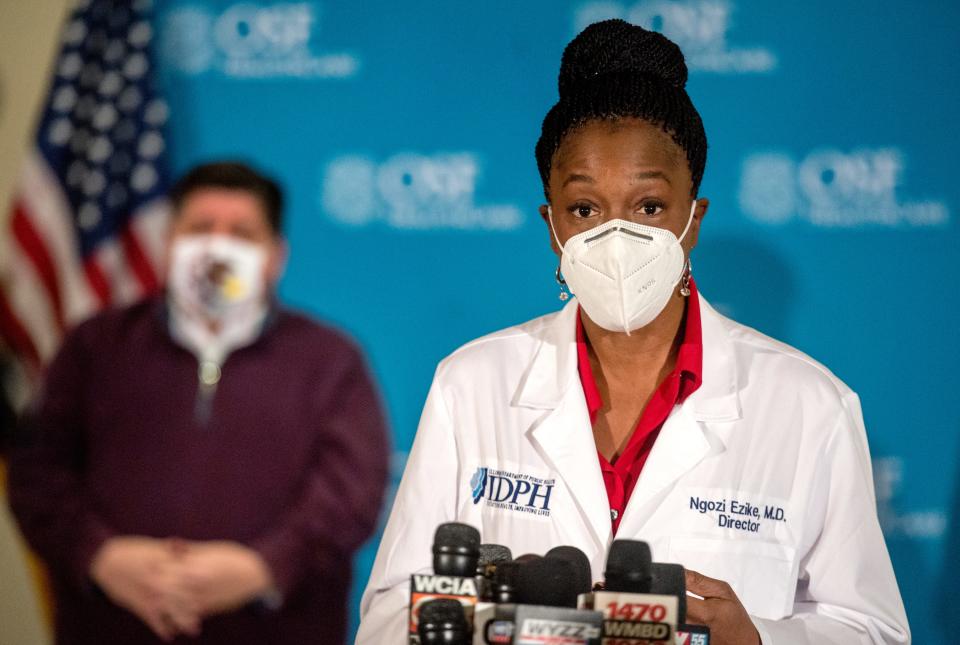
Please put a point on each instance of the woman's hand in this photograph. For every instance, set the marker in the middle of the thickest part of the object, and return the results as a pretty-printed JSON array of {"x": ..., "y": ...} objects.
[{"x": 720, "y": 610}]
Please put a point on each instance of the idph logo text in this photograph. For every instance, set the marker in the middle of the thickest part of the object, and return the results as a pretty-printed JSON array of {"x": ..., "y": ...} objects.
[{"x": 512, "y": 491}]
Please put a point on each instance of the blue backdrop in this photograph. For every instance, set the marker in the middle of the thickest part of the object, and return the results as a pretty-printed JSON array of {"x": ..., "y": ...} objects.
[{"x": 404, "y": 132}]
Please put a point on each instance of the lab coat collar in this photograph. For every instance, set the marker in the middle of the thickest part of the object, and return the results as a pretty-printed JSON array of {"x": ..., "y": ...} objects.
[
  {"x": 562, "y": 435},
  {"x": 717, "y": 398},
  {"x": 553, "y": 370},
  {"x": 550, "y": 374}
]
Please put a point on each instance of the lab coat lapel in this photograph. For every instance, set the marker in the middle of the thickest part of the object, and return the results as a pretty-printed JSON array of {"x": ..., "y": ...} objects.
[
  {"x": 563, "y": 435},
  {"x": 680, "y": 446},
  {"x": 717, "y": 398},
  {"x": 693, "y": 431}
]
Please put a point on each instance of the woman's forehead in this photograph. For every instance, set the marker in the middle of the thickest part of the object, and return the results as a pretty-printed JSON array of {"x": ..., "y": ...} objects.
[{"x": 625, "y": 142}]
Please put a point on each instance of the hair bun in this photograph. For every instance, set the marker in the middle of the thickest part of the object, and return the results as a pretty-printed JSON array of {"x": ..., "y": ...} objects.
[{"x": 617, "y": 47}]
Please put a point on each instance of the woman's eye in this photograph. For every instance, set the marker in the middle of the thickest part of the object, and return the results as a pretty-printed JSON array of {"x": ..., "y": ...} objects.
[
  {"x": 582, "y": 210},
  {"x": 650, "y": 209}
]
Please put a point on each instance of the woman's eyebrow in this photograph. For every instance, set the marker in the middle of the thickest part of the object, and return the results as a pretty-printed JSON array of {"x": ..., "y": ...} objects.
[
  {"x": 587, "y": 179},
  {"x": 652, "y": 174}
]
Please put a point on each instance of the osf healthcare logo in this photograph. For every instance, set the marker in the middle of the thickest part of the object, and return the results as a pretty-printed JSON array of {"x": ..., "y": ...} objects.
[
  {"x": 412, "y": 191},
  {"x": 930, "y": 523},
  {"x": 250, "y": 40},
  {"x": 699, "y": 27},
  {"x": 831, "y": 188}
]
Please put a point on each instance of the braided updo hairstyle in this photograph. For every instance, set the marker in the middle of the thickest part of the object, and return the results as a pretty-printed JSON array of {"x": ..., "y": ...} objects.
[{"x": 614, "y": 70}]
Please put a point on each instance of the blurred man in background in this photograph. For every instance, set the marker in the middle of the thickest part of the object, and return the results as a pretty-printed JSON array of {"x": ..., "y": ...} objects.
[{"x": 201, "y": 466}]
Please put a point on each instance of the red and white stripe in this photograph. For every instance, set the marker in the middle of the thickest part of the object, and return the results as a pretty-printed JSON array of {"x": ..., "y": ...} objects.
[{"x": 45, "y": 285}]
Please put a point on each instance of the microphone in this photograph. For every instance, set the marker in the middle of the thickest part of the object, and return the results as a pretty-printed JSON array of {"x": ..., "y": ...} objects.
[
  {"x": 556, "y": 579},
  {"x": 547, "y": 581},
  {"x": 628, "y": 567},
  {"x": 504, "y": 582},
  {"x": 671, "y": 579},
  {"x": 631, "y": 612},
  {"x": 441, "y": 622},
  {"x": 583, "y": 579},
  {"x": 491, "y": 556},
  {"x": 456, "y": 553},
  {"x": 536, "y": 603},
  {"x": 512, "y": 580},
  {"x": 456, "y": 549},
  {"x": 668, "y": 578}
]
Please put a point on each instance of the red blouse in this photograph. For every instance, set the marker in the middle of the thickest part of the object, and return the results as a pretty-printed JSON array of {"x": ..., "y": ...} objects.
[{"x": 621, "y": 475}]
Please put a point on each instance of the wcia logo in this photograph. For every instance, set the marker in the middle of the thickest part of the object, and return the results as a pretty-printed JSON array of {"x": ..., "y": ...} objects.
[
  {"x": 832, "y": 188},
  {"x": 699, "y": 27},
  {"x": 512, "y": 491},
  {"x": 250, "y": 40},
  {"x": 412, "y": 191}
]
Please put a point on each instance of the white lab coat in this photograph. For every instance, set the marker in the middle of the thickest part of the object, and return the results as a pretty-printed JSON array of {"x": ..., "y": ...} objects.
[{"x": 769, "y": 428}]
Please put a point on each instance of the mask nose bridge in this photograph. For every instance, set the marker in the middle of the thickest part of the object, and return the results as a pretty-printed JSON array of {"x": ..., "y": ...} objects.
[
  {"x": 553, "y": 228},
  {"x": 622, "y": 247}
]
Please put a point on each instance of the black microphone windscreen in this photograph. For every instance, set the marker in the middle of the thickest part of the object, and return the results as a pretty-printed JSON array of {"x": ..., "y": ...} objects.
[
  {"x": 456, "y": 549},
  {"x": 583, "y": 579},
  {"x": 457, "y": 534},
  {"x": 506, "y": 573},
  {"x": 442, "y": 621},
  {"x": 670, "y": 579},
  {"x": 494, "y": 554},
  {"x": 547, "y": 581},
  {"x": 505, "y": 581},
  {"x": 628, "y": 567}
]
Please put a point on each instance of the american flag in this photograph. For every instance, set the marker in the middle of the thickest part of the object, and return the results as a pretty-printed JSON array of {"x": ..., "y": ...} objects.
[{"x": 89, "y": 216}]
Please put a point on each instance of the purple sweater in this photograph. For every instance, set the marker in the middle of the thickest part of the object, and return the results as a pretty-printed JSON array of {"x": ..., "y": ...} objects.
[{"x": 288, "y": 455}]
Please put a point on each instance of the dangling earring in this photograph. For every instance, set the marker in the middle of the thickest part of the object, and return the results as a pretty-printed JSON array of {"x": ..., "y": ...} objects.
[
  {"x": 564, "y": 293},
  {"x": 685, "y": 280}
]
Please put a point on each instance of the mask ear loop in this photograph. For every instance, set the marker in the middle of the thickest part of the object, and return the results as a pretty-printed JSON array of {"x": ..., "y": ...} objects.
[
  {"x": 687, "y": 270},
  {"x": 553, "y": 229},
  {"x": 564, "y": 290},
  {"x": 693, "y": 209}
]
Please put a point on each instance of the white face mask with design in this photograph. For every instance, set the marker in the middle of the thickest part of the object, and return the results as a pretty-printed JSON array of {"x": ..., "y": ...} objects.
[
  {"x": 217, "y": 277},
  {"x": 622, "y": 273}
]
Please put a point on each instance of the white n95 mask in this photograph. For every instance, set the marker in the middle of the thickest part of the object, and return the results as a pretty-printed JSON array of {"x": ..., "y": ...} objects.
[
  {"x": 216, "y": 276},
  {"x": 622, "y": 273}
]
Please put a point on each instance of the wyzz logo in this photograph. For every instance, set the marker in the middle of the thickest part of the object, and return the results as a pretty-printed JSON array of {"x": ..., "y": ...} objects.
[
  {"x": 699, "y": 27},
  {"x": 412, "y": 191},
  {"x": 512, "y": 491},
  {"x": 250, "y": 40},
  {"x": 556, "y": 631},
  {"x": 830, "y": 188}
]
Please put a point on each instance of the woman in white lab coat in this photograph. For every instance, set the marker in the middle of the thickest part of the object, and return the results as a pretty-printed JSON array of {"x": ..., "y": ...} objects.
[{"x": 637, "y": 411}]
